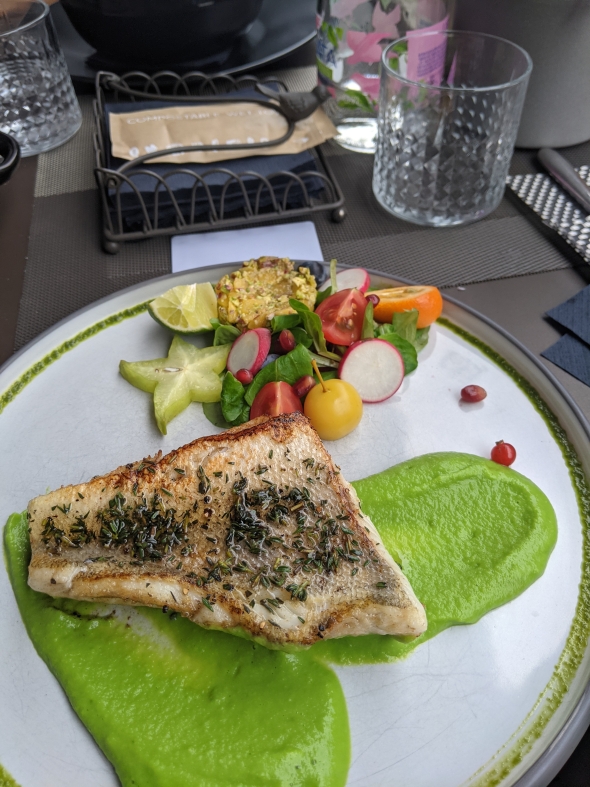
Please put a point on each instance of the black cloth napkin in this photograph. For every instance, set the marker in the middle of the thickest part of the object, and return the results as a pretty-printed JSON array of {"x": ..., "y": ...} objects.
[
  {"x": 217, "y": 176},
  {"x": 572, "y": 351}
]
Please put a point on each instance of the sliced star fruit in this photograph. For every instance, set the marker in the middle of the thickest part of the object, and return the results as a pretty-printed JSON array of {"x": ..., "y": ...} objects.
[
  {"x": 188, "y": 374},
  {"x": 188, "y": 308}
]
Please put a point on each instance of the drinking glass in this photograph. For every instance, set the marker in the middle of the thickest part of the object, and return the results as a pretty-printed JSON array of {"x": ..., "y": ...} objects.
[
  {"x": 351, "y": 35},
  {"x": 448, "y": 118},
  {"x": 38, "y": 105}
]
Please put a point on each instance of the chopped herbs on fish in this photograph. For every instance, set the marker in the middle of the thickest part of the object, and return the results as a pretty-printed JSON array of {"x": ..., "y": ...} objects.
[{"x": 216, "y": 526}]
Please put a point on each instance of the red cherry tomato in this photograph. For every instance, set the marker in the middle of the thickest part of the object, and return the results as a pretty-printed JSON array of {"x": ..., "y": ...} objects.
[
  {"x": 503, "y": 453},
  {"x": 342, "y": 316},
  {"x": 275, "y": 399}
]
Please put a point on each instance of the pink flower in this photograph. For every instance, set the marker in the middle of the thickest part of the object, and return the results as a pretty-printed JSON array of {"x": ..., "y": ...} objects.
[
  {"x": 365, "y": 47},
  {"x": 342, "y": 8},
  {"x": 386, "y": 23},
  {"x": 368, "y": 85}
]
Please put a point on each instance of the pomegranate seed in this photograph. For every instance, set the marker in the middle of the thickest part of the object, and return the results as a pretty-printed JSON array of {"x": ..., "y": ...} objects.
[
  {"x": 473, "y": 393},
  {"x": 373, "y": 298},
  {"x": 303, "y": 386},
  {"x": 244, "y": 376},
  {"x": 287, "y": 341},
  {"x": 503, "y": 453}
]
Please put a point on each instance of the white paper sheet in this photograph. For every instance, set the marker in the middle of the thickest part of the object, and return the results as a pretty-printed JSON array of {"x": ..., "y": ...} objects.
[{"x": 299, "y": 241}]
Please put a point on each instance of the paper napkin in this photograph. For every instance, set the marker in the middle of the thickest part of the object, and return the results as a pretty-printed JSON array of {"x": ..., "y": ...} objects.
[
  {"x": 571, "y": 355},
  {"x": 572, "y": 351},
  {"x": 574, "y": 314},
  {"x": 298, "y": 240}
]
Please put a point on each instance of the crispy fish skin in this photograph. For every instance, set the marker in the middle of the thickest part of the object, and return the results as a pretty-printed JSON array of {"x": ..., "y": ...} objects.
[{"x": 253, "y": 529}]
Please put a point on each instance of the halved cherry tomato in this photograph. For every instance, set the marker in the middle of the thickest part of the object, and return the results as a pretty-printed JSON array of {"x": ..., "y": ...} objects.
[
  {"x": 427, "y": 300},
  {"x": 342, "y": 316},
  {"x": 275, "y": 399}
]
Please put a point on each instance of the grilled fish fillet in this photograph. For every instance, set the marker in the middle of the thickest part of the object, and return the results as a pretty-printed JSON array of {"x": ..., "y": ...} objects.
[{"x": 253, "y": 529}]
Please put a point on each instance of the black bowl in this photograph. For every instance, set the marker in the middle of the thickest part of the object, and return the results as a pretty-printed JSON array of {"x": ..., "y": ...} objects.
[
  {"x": 9, "y": 156},
  {"x": 160, "y": 33}
]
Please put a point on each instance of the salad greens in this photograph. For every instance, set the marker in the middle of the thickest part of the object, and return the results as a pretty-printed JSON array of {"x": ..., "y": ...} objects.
[
  {"x": 403, "y": 334},
  {"x": 284, "y": 322},
  {"x": 224, "y": 334},
  {"x": 234, "y": 407},
  {"x": 313, "y": 327},
  {"x": 323, "y": 294},
  {"x": 236, "y": 399},
  {"x": 311, "y": 344},
  {"x": 342, "y": 322}
]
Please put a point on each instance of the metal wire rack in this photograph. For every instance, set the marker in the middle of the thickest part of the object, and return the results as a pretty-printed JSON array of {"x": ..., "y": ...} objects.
[{"x": 212, "y": 199}]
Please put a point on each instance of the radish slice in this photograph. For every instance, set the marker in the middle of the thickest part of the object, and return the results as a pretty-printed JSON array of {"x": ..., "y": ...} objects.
[
  {"x": 349, "y": 279},
  {"x": 249, "y": 351},
  {"x": 374, "y": 367}
]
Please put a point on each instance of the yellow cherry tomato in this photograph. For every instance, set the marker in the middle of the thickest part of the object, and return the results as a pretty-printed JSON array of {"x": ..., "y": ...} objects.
[{"x": 333, "y": 412}]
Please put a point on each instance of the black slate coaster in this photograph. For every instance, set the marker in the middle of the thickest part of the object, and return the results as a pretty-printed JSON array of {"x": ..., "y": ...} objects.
[
  {"x": 574, "y": 315},
  {"x": 572, "y": 355}
]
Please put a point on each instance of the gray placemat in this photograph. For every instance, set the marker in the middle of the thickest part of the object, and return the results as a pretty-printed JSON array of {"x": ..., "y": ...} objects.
[{"x": 67, "y": 269}]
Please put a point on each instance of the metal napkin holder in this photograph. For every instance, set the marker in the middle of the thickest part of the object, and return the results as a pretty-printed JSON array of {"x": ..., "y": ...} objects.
[{"x": 218, "y": 88}]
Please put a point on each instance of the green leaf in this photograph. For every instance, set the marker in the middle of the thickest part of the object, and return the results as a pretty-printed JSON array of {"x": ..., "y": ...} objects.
[
  {"x": 333, "y": 276},
  {"x": 368, "y": 331},
  {"x": 404, "y": 324},
  {"x": 401, "y": 48},
  {"x": 323, "y": 69},
  {"x": 421, "y": 339},
  {"x": 346, "y": 104},
  {"x": 362, "y": 101},
  {"x": 332, "y": 36},
  {"x": 407, "y": 350},
  {"x": 313, "y": 326},
  {"x": 302, "y": 337},
  {"x": 287, "y": 368},
  {"x": 323, "y": 294},
  {"x": 225, "y": 334},
  {"x": 284, "y": 322},
  {"x": 322, "y": 361},
  {"x": 234, "y": 407},
  {"x": 214, "y": 413}
]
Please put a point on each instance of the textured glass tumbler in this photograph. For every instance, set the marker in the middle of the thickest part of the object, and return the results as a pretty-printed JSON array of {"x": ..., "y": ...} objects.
[
  {"x": 445, "y": 142},
  {"x": 38, "y": 105}
]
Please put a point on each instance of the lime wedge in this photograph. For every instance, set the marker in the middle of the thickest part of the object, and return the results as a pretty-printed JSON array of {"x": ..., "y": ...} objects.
[{"x": 188, "y": 308}]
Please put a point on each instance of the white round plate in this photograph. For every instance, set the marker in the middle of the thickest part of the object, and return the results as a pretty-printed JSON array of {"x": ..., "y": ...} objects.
[{"x": 491, "y": 703}]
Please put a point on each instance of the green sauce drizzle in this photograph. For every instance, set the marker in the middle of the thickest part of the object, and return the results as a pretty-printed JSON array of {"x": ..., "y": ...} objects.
[
  {"x": 6, "y": 779},
  {"x": 65, "y": 347}
]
